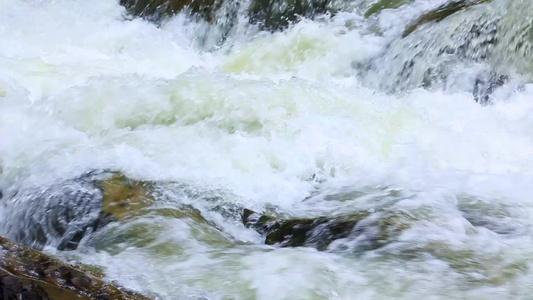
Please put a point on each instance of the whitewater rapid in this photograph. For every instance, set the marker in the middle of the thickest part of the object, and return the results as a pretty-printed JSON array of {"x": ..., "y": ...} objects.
[{"x": 269, "y": 121}]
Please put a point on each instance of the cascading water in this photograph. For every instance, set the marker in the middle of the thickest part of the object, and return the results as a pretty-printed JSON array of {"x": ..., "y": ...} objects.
[{"x": 292, "y": 109}]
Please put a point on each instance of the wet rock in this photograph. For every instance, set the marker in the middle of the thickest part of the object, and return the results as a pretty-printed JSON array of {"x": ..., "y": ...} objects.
[
  {"x": 12, "y": 287},
  {"x": 320, "y": 232},
  {"x": 123, "y": 198},
  {"x": 59, "y": 215},
  {"x": 29, "y": 274},
  {"x": 64, "y": 213},
  {"x": 384, "y": 4},
  {"x": 442, "y": 12},
  {"x": 155, "y": 10},
  {"x": 464, "y": 45},
  {"x": 445, "y": 55},
  {"x": 277, "y": 14},
  {"x": 269, "y": 14}
]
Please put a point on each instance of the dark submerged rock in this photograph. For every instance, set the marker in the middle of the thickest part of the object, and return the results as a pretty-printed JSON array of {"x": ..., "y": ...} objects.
[
  {"x": 155, "y": 10},
  {"x": 316, "y": 232},
  {"x": 320, "y": 232},
  {"x": 277, "y": 14},
  {"x": 29, "y": 274},
  {"x": 269, "y": 14}
]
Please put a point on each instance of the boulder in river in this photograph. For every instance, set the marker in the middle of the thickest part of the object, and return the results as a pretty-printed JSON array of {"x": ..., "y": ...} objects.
[
  {"x": 155, "y": 10},
  {"x": 28, "y": 274},
  {"x": 66, "y": 212},
  {"x": 269, "y": 14},
  {"x": 452, "y": 47},
  {"x": 62, "y": 214},
  {"x": 320, "y": 232},
  {"x": 277, "y": 14}
]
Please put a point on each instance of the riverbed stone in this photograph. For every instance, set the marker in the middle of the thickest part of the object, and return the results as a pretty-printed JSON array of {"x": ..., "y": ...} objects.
[
  {"x": 320, "y": 232},
  {"x": 64, "y": 213},
  {"x": 268, "y": 14},
  {"x": 155, "y": 10},
  {"x": 277, "y": 14},
  {"x": 28, "y": 274}
]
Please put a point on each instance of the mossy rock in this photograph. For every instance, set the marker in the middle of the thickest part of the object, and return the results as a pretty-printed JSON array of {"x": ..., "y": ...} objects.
[
  {"x": 123, "y": 198},
  {"x": 30, "y": 274},
  {"x": 442, "y": 12}
]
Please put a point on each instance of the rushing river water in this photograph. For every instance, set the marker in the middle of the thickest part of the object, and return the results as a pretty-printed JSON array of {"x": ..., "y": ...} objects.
[{"x": 343, "y": 113}]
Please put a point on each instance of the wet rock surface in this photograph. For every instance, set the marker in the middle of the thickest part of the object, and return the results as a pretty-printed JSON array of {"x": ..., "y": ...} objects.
[
  {"x": 320, "y": 232},
  {"x": 270, "y": 14},
  {"x": 59, "y": 215},
  {"x": 29, "y": 274},
  {"x": 461, "y": 33},
  {"x": 64, "y": 213},
  {"x": 155, "y": 10},
  {"x": 277, "y": 14},
  {"x": 380, "y": 5},
  {"x": 316, "y": 232},
  {"x": 475, "y": 46},
  {"x": 83, "y": 207}
]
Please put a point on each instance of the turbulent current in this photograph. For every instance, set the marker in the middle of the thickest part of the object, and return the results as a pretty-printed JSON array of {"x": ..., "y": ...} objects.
[{"x": 421, "y": 109}]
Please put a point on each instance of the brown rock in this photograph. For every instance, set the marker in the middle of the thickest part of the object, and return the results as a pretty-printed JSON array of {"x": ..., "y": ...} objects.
[{"x": 30, "y": 274}]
